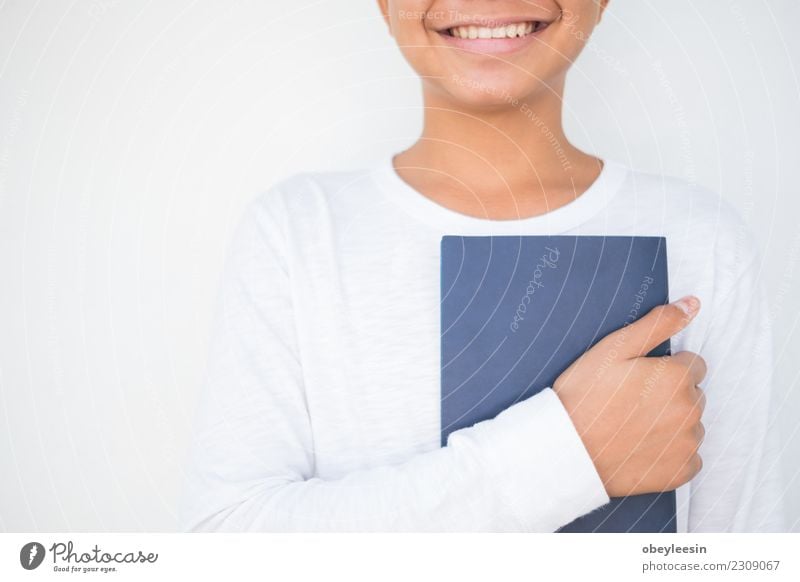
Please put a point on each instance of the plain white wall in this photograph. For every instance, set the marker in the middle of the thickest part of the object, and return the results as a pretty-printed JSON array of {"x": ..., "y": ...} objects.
[{"x": 132, "y": 133}]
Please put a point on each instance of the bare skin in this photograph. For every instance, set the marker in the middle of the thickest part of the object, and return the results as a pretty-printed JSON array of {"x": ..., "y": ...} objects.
[
  {"x": 639, "y": 417},
  {"x": 493, "y": 146}
]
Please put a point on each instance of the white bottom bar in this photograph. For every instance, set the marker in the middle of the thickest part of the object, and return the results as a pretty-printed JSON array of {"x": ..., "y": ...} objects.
[{"x": 401, "y": 557}]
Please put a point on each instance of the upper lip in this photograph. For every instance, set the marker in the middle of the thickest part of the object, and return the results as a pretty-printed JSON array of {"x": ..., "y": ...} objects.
[{"x": 490, "y": 22}]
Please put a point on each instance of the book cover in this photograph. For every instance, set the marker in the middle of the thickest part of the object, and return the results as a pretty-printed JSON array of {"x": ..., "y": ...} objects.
[{"x": 516, "y": 311}]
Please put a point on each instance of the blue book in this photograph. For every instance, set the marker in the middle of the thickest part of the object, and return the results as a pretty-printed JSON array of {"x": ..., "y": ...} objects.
[{"x": 516, "y": 311}]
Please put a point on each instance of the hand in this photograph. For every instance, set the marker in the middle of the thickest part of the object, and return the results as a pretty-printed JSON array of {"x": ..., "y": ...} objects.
[{"x": 639, "y": 417}]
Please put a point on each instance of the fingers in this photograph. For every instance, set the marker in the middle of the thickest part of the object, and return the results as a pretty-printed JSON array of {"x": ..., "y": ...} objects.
[
  {"x": 701, "y": 399},
  {"x": 657, "y": 326},
  {"x": 700, "y": 433},
  {"x": 695, "y": 365}
]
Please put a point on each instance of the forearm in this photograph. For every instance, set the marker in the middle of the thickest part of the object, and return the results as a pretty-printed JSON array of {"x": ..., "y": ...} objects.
[{"x": 525, "y": 470}]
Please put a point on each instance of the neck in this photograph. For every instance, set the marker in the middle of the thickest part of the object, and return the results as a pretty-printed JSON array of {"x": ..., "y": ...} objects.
[{"x": 502, "y": 162}]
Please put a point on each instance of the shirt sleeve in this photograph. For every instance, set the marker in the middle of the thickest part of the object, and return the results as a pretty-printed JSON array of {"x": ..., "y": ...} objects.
[
  {"x": 739, "y": 488},
  {"x": 251, "y": 466}
]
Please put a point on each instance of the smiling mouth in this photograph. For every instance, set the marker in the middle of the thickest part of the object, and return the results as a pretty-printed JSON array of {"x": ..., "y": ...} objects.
[{"x": 513, "y": 30}]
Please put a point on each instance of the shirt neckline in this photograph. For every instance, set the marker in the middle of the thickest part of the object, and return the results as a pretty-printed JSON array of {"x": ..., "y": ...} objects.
[{"x": 562, "y": 219}]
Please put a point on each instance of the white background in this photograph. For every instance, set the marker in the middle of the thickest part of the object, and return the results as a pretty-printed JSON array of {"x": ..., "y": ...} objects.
[{"x": 133, "y": 132}]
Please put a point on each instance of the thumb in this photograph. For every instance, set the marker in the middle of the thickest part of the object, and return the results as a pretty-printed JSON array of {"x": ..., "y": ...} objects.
[{"x": 661, "y": 323}]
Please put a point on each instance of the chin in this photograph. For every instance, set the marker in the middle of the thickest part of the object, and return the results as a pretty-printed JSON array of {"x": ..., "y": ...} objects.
[{"x": 494, "y": 91}]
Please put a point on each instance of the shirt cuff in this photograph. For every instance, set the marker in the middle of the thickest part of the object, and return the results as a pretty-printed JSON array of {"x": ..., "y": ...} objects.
[{"x": 540, "y": 465}]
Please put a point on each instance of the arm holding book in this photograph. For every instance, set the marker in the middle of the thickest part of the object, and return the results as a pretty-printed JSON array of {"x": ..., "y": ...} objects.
[
  {"x": 253, "y": 461},
  {"x": 253, "y": 455}
]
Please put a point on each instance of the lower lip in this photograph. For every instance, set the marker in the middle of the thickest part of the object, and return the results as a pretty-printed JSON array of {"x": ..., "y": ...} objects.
[{"x": 491, "y": 46}]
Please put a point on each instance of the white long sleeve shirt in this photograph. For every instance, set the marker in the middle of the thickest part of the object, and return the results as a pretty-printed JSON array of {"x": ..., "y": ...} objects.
[{"x": 320, "y": 409}]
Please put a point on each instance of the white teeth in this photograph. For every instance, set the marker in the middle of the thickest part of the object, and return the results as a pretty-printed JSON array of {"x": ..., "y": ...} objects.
[{"x": 507, "y": 31}]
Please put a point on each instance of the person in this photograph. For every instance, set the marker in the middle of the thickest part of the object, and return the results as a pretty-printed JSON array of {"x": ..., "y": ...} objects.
[{"x": 320, "y": 410}]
